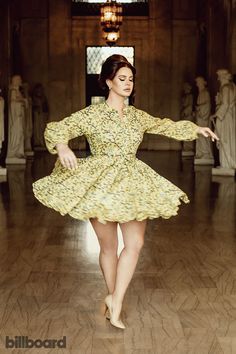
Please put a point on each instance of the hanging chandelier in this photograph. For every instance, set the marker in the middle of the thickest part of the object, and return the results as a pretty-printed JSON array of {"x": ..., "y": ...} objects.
[{"x": 111, "y": 20}]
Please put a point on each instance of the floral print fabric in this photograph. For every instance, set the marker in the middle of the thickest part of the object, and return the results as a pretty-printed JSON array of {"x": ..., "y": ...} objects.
[{"x": 111, "y": 184}]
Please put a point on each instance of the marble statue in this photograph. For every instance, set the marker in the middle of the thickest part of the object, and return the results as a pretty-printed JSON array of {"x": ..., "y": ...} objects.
[
  {"x": 225, "y": 124},
  {"x": 187, "y": 114},
  {"x": 2, "y": 170},
  {"x": 28, "y": 120},
  {"x": 204, "y": 153},
  {"x": 16, "y": 123},
  {"x": 40, "y": 116}
]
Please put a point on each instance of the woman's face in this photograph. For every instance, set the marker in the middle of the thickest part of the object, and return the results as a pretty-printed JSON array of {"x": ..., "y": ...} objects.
[{"x": 123, "y": 82}]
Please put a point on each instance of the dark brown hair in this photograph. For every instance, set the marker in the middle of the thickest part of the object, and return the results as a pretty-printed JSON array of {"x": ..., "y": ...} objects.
[{"x": 109, "y": 69}]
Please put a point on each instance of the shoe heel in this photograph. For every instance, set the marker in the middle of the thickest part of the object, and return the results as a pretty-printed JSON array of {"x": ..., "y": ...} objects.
[
  {"x": 107, "y": 314},
  {"x": 105, "y": 311}
]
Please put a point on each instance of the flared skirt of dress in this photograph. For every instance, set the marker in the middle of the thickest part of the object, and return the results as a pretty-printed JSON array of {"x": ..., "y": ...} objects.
[{"x": 111, "y": 189}]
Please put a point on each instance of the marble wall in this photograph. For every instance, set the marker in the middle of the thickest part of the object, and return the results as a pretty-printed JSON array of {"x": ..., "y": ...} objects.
[
  {"x": 221, "y": 23},
  {"x": 52, "y": 51},
  {"x": 4, "y": 45}
]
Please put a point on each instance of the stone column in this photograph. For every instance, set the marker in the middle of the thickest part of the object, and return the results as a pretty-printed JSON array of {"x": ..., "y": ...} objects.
[
  {"x": 160, "y": 47},
  {"x": 60, "y": 84}
]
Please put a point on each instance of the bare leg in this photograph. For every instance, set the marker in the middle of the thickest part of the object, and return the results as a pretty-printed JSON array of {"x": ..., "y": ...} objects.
[
  {"x": 133, "y": 235},
  {"x": 108, "y": 241}
]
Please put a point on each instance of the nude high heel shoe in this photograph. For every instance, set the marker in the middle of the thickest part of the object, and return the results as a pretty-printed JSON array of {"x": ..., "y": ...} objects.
[
  {"x": 115, "y": 323},
  {"x": 107, "y": 313}
]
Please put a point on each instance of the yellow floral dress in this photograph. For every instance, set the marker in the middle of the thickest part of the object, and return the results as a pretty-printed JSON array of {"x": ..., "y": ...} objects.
[{"x": 111, "y": 184}]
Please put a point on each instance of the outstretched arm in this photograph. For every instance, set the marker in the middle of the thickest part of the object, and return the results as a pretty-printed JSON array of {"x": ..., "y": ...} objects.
[{"x": 181, "y": 130}]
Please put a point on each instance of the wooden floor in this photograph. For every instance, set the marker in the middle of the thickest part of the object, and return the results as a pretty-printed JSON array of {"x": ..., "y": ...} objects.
[{"x": 182, "y": 298}]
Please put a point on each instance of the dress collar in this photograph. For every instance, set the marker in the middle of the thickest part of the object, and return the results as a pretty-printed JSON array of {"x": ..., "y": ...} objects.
[{"x": 106, "y": 106}]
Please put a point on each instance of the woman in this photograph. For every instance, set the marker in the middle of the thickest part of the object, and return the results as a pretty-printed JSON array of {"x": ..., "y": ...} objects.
[{"x": 112, "y": 186}]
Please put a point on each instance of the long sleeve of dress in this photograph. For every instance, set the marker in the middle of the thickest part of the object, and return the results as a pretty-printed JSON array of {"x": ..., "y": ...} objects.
[
  {"x": 181, "y": 130},
  {"x": 64, "y": 130}
]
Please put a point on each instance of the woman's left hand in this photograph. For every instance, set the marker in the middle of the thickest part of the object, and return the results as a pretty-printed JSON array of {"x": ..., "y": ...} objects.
[{"x": 207, "y": 132}]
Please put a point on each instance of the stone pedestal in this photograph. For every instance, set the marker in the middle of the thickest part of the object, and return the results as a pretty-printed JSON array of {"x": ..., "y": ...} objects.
[
  {"x": 3, "y": 174},
  {"x": 221, "y": 171},
  {"x": 203, "y": 161},
  {"x": 202, "y": 168},
  {"x": 187, "y": 153},
  {"x": 15, "y": 161},
  {"x": 153, "y": 144},
  {"x": 3, "y": 171},
  {"x": 29, "y": 153},
  {"x": 223, "y": 181}
]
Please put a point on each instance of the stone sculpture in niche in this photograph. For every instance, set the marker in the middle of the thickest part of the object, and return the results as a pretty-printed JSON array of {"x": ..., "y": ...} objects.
[
  {"x": 28, "y": 120},
  {"x": 204, "y": 154},
  {"x": 187, "y": 114},
  {"x": 224, "y": 120},
  {"x": 16, "y": 122},
  {"x": 40, "y": 116},
  {"x": 3, "y": 171}
]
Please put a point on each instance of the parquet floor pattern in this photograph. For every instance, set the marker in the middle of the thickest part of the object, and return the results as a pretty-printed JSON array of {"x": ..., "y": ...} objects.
[{"x": 182, "y": 298}]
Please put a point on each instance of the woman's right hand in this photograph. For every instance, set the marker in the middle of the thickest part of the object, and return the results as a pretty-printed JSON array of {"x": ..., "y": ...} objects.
[{"x": 66, "y": 156}]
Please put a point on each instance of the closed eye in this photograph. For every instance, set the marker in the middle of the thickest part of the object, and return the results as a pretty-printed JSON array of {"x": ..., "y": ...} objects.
[{"x": 123, "y": 78}]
